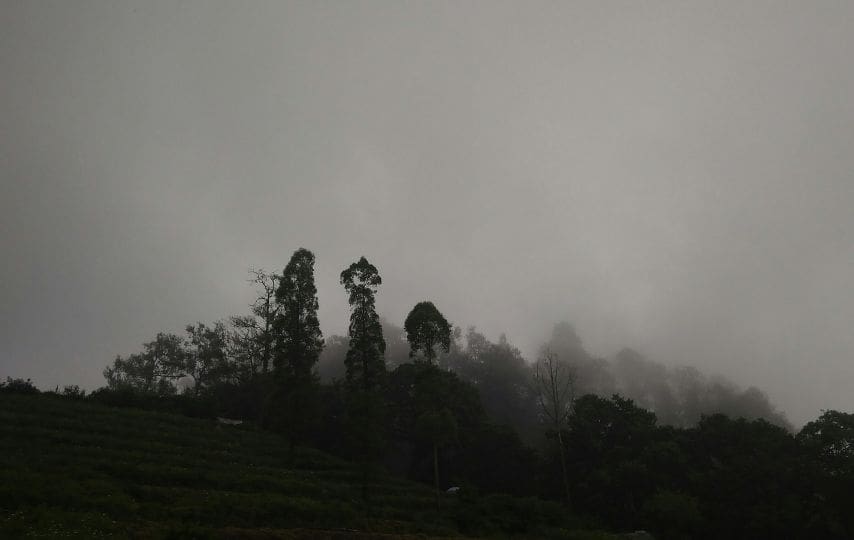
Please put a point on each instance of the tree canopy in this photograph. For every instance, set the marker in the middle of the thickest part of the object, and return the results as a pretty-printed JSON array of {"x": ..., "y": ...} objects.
[
  {"x": 426, "y": 328},
  {"x": 365, "y": 362},
  {"x": 297, "y": 328}
]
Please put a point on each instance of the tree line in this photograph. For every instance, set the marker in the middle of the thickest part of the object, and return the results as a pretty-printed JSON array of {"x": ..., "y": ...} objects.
[{"x": 626, "y": 442}]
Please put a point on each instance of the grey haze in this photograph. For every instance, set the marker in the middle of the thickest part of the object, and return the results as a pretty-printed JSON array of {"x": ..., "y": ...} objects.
[{"x": 671, "y": 176}]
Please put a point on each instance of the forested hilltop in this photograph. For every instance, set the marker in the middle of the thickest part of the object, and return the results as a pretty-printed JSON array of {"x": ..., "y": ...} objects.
[{"x": 623, "y": 443}]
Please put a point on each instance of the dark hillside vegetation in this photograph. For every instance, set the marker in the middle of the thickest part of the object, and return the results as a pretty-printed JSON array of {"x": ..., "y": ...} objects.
[
  {"x": 75, "y": 469},
  {"x": 567, "y": 441}
]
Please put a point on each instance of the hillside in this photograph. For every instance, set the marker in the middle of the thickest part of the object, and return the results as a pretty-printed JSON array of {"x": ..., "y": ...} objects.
[{"x": 70, "y": 468}]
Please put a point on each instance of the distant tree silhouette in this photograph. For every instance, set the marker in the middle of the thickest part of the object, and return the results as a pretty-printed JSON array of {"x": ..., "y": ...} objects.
[
  {"x": 427, "y": 328},
  {"x": 365, "y": 365},
  {"x": 592, "y": 375},
  {"x": 554, "y": 384},
  {"x": 254, "y": 340},
  {"x": 502, "y": 378}
]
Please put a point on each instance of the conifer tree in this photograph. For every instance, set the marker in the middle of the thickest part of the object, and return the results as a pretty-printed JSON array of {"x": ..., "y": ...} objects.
[
  {"x": 298, "y": 336},
  {"x": 298, "y": 343}
]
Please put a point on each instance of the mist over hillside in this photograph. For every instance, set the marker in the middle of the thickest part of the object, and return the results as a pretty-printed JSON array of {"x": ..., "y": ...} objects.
[{"x": 679, "y": 396}]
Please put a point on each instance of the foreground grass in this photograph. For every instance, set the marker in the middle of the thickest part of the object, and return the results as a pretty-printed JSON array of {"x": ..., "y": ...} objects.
[{"x": 75, "y": 469}]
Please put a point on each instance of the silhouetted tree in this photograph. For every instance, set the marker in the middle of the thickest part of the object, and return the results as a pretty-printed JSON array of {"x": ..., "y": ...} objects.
[
  {"x": 433, "y": 410},
  {"x": 154, "y": 370},
  {"x": 427, "y": 328},
  {"x": 365, "y": 365},
  {"x": 554, "y": 384},
  {"x": 331, "y": 364},
  {"x": 365, "y": 358},
  {"x": 298, "y": 344},
  {"x": 205, "y": 356},
  {"x": 297, "y": 329},
  {"x": 254, "y": 339}
]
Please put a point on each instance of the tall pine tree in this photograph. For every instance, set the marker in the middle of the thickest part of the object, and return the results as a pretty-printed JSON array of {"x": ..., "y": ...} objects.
[{"x": 298, "y": 343}]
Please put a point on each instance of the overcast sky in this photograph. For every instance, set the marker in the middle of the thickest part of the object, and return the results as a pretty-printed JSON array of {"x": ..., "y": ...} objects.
[{"x": 675, "y": 177}]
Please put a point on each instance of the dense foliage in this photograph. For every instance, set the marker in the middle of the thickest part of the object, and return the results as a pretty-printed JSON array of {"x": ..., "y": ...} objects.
[{"x": 426, "y": 328}]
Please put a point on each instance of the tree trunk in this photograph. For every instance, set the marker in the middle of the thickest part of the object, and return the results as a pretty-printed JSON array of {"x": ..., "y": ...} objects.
[
  {"x": 436, "y": 471},
  {"x": 563, "y": 468}
]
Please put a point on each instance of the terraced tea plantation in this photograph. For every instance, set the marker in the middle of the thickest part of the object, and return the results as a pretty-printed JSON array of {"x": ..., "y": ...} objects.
[{"x": 74, "y": 469}]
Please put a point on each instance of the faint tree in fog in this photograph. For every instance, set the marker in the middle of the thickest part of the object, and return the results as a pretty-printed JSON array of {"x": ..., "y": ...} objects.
[
  {"x": 592, "y": 375},
  {"x": 427, "y": 328},
  {"x": 503, "y": 380},
  {"x": 554, "y": 383},
  {"x": 680, "y": 396}
]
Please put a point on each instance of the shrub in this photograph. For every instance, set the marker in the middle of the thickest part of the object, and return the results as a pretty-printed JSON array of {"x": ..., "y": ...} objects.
[
  {"x": 18, "y": 386},
  {"x": 73, "y": 391}
]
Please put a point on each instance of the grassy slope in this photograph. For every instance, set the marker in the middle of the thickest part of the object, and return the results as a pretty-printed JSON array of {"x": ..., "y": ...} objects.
[{"x": 75, "y": 469}]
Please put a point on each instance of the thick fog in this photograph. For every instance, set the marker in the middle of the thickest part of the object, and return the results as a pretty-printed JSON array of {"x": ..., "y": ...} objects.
[{"x": 671, "y": 177}]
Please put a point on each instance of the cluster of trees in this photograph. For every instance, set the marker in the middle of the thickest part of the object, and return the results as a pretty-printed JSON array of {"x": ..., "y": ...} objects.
[
  {"x": 273, "y": 353},
  {"x": 505, "y": 380},
  {"x": 628, "y": 441}
]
